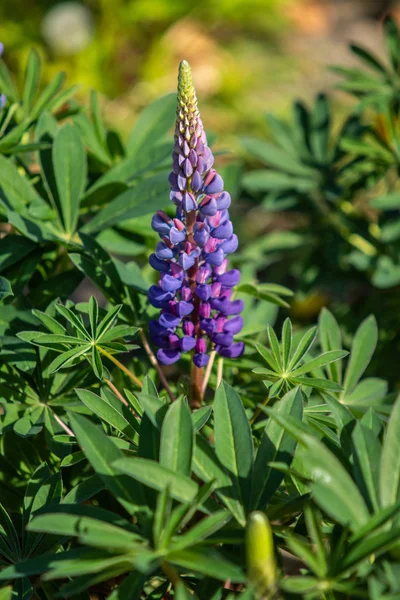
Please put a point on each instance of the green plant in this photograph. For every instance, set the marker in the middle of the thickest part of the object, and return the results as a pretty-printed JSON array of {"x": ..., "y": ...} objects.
[{"x": 123, "y": 479}]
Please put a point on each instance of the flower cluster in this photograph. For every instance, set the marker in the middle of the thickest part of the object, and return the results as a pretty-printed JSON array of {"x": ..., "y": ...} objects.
[
  {"x": 194, "y": 292},
  {"x": 3, "y": 98}
]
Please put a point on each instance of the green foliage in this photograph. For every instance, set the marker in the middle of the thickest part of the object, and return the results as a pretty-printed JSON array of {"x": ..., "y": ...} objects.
[{"x": 286, "y": 480}]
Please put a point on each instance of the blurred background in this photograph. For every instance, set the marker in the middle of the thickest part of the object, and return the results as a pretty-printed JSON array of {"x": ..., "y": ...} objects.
[{"x": 247, "y": 55}]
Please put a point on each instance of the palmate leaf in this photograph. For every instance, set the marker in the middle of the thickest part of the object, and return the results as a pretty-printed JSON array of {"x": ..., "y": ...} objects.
[{"x": 286, "y": 369}]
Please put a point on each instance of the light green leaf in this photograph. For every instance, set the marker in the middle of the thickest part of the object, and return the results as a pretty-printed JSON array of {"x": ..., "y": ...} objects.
[
  {"x": 156, "y": 119},
  {"x": 362, "y": 349},
  {"x": 70, "y": 166},
  {"x": 321, "y": 361},
  {"x": 32, "y": 75},
  {"x": 390, "y": 460}
]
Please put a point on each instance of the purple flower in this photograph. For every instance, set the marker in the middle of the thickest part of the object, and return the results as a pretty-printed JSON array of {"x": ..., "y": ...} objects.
[{"x": 194, "y": 292}]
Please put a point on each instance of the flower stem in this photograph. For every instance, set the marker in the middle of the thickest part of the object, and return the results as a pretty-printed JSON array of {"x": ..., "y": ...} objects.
[
  {"x": 220, "y": 371},
  {"x": 116, "y": 392},
  {"x": 155, "y": 364},
  {"x": 197, "y": 386},
  {"x": 171, "y": 574},
  {"x": 208, "y": 373},
  {"x": 120, "y": 366},
  {"x": 63, "y": 425}
]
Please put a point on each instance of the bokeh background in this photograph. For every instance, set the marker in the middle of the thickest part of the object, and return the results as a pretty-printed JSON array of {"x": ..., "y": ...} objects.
[{"x": 247, "y": 55}]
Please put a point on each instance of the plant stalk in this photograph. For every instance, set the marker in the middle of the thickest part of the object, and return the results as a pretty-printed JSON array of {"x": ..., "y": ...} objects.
[
  {"x": 196, "y": 395},
  {"x": 63, "y": 425},
  {"x": 116, "y": 391},
  {"x": 208, "y": 373},
  {"x": 155, "y": 364},
  {"x": 121, "y": 366}
]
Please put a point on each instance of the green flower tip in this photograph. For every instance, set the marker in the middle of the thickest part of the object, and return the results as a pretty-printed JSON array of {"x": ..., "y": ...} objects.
[
  {"x": 261, "y": 561},
  {"x": 186, "y": 91}
]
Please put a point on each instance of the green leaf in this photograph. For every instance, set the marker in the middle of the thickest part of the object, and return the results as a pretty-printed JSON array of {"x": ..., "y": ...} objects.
[
  {"x": 392, "y": 40},
  {"x": 177, "y": 438},
  {"x": 201, "y": 531},
  {"x": 49, "y": 322},
  {"x": 200, "y": 417},
  {"x": 89, "y": 530},
  {"x": 70, "y": 169},
  {"x": 331, "y": 339},
  {"x": 108, "y": 413},
  {"x": 17, "y": 191},
  {"x": 320, "y": 126},
  {"x": 261, "y": 294},
  {"x": 208, "y": 563},
  {"x": 130, "y": 588},
  {"x": 233, "y": 441},
  {"x": 13, "y": 248},
  {"x": 145, "y": 197},
  {"x": 31, "y": 84},
  {"x": 286, "y": 342},
  {"x": 74, "y": 319},
  {"x": 366, "y": 454},
  {"x": 208, "y": 468},
  {"x": 369, "y": 58},
  {"x": 156, "y": 119},
  {"x": 332, "y": 487},
  {"x": 93, "y": 315},
  {"x": 273, "y": 156},
  {"x": 6, "y": 593},
  {"x": 96, "y": 363},
  {"x": 158, "y": 477},
  {"x": 5, "y": 289},
  {"x": 47, "y": 94},
  {"x": 321, "y": 361},
  {"x": 387, "y": 202},
  {"x": 66, "y": 358},
  {"x": 8, "y": 530},
  {"x": 101, "y": 452},
  {"x": 390, "y": 460},
  {"x": 108, "y": 321},
  {"x": 362, "y": 349},
  {"x": 277, "y": 445}
]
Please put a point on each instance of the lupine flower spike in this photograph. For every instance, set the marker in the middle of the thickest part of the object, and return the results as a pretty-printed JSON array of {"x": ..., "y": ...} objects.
[
  {"x": 3, "y": 98},
  {"x": 195, "y": 287}
]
